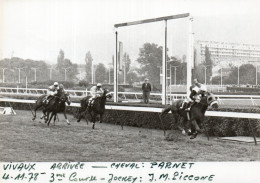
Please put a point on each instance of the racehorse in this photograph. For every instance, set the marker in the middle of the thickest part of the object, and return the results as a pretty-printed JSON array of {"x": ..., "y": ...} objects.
[
  {"x": 98, "y": 107},
  {"x": 196, "y": 114},
  {"x": 63, "y": 97}
]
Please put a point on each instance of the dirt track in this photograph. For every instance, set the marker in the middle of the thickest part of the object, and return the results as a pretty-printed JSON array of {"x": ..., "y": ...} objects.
[{"x": 24, "y": 140}]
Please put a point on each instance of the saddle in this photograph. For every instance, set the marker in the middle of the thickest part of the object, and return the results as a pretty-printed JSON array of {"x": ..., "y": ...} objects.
[
  {"x": 47, "y": 99},
  {"x": 91, "y": 103}
]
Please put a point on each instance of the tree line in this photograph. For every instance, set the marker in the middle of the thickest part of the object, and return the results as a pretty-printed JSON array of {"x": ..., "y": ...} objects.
[{"x": 150, "y": 66}]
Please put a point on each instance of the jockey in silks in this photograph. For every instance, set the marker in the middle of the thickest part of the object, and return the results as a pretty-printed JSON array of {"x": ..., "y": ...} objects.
[
  {"x": 95, "y": 91},
  {"x": 53, "y": 90},
  {"x": 198, "y": 90}
]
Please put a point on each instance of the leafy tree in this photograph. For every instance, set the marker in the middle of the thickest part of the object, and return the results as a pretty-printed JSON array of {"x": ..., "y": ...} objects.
[
  {"x": 65, "y": 65},
  {"x": 132, "y": 77},
  {"x": 26, "y": 69},
  {"x": 150, "y": 58},
  {"x": 181, "y": 69},
  {"x": 101, "y": 73},
  {"x": 199, "y": 73},
  {"x": 60, "y": 60},
  {"x": 88, "y": 60},
  {"x": 246, "y": 75},
  {"x": 216, "y": 80}
]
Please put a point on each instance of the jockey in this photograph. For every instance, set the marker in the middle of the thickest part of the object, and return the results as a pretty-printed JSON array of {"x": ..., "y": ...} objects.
[
  {"x": 95, "y": 91},
  {"x": 198, "y": 90},
  {"x": 53, "y": 90}
]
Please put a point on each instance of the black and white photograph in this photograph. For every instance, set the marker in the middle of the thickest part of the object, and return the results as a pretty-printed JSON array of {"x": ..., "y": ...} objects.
[{"x": 129, "y": 81}]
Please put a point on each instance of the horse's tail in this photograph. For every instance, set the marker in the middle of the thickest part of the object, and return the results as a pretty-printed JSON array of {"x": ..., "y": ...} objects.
[{"x": 166, "y": 110}]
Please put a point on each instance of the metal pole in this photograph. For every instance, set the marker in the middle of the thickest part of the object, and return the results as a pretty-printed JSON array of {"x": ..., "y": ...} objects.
[
  {"x": 125, "y": 70},
  {"x": 4, "y": 74},
  {"x": 35, "y": 77},
  {"x": 115, "y": 69},
  {"x": 80, "y": 75},
  {"x": 170, "y": 75},
  {"x": 26, "y": 83},
  {"x": 221, "y": 77},
  {"x": 109, "y": 82},
  {"x": 205, "y": 75},
  {"x": 65, "y": 73},
  {"x": 190, "y": 56},
  {"x": 92, "y": 72},
  {"x": 164, "y": 65},
  {"x": 19, "y": 81},
  {"x": 175, "y": 75},
  {"x": 256, "y": 75},
  {"x": 238, "y": 75}
]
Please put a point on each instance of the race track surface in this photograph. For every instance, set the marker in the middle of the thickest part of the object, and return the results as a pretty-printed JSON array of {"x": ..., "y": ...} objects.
[{"x": 22, "y": 139}]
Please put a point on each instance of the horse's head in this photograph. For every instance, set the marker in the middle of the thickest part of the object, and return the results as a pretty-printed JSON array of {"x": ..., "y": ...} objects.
[
  {"x": 65, "y": 97},
  {"x": 212, "y": 100},
  {"x": 107, "y": 94}
]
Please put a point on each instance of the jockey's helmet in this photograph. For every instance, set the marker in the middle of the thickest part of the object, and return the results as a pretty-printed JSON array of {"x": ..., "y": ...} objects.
[
  {"x": 196, "y": 89},
  {"x": 56, "y": 84},
  {"x": 203, "y": 88},
  {"x": 99, "y": 84},
  {"x": 61, "y": 86}
]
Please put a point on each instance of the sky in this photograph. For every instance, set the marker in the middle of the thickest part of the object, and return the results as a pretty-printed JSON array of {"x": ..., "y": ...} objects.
[{"x": 38, "y": 29}]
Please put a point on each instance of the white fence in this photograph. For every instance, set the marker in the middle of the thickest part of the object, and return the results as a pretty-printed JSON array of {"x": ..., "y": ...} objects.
[
  {"x": 137, "y": 96},
  {"x": 151, "y": 109}
]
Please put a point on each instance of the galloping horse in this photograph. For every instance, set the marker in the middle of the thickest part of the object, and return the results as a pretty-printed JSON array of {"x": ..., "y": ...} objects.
[
  {"x": 61, "y": 96},
  {"x": 98, "y": 107},
  {"x": 196, "y": 114}
]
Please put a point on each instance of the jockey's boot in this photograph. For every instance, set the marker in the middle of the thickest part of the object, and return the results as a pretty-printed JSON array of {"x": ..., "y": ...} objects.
[
  {"x": 89, "y": 103},
  {"x": 188, "y": 106},
  {"x": 183, "y": 105}
]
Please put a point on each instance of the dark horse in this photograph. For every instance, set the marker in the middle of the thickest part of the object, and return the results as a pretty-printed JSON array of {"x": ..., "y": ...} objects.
[
  {"x": 196, "y": 114},
  {"x": 55, "y": 105},
  {"x": 98, "y": 107}
]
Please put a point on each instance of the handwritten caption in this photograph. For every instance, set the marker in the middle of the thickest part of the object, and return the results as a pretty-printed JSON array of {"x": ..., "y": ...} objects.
[{"x": 104, "y": 172}]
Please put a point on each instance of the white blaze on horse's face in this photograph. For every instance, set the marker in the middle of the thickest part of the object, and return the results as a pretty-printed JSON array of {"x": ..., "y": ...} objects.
[
  {"x": 68, "y": 99},
  {"x": 109, "y": 95}
]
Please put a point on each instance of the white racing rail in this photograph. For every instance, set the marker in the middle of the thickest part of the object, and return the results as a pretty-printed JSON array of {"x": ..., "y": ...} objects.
[
  {"x": 150, "y": 109},
  {"x": 137, "y": 96}
]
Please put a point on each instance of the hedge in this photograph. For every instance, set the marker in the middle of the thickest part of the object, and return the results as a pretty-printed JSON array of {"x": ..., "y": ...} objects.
[{"x": 215, "y": 126}]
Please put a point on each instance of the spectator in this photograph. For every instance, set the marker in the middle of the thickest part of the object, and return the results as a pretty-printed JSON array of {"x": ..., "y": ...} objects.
[{"x": 146, "y": 87}]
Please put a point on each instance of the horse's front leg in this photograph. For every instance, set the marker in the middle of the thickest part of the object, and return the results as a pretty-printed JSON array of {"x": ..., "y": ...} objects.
[
  {"x": 101, "y": 118},
  {"x": 50, "y": 118},
  {"x": 68, "y": 122},
  {"x": 196, "y": 126},
  {"x": 35, "y": 109},
  {"x": 54, "y": 119},
  {"x": 80, "y": 115},
  {"x": 94, "y": 120},
  {"x": 194, "y": 129},
  {"x": 46, "y": 116}
]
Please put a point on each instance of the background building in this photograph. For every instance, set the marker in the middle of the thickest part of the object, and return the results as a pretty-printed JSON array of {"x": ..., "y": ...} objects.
[{"x": 228, "y": 54}]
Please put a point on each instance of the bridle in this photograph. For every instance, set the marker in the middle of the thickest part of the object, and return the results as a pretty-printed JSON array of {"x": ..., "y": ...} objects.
[{"x": 207, "y": 95}]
